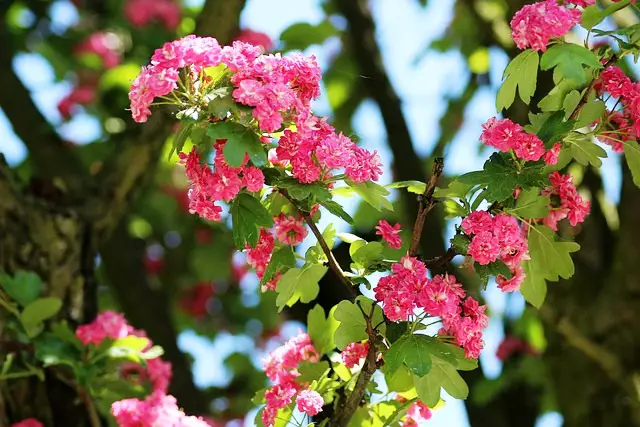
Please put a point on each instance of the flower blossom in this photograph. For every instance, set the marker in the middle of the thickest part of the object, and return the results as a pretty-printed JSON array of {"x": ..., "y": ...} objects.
[
  {"x": 29, "y": 422},
  {"x": 353, "y": 353},
  {"x": 417, "y": 413},
  {"x": 309, "y": 402},
  {"x": 142, "y": 12},
  {"x": 506, "y": 135},
  {"x": 105, "y": 45},
  {"x": 280, "y": 367},
  {"x": 290, "y": 230},
  {"x": 408, "y": 288},
  {"x": 571, "y": 205},
  {"x": 536, "y": 24},
  {"x": 497, "y": 238},
  {"x": 390, "y": 234},
  {"x": 157, "y": 410}
]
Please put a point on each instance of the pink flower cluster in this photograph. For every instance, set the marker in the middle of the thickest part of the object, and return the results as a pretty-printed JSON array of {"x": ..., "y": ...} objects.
[
  {"x": 535, "y": 24},
  {"x": 497, "y": 238},
  {"x": 309, "y": 402},
  {"x": 224, "y": 182},
  {"x": 142, "y": 12},
  {"x": 315, "y": 149},
  {"x": 280, "y": 366},
  {"x": 408, "y": 288},
  {"x": 626, "y": 122},
  {"x": 354, "y": 353},
  {"x": 390, "y": 233},
  {"x": 582, "y": 3},
  {"x": 260, "y": 256},
  {"x": 571, "y": 205},
  {"x": 29, "y": 422},
  {"x": 157, "y": 410},
  {"x": 112, "y": 325},
  {"x": 418, "y": 412},
  {"x": 103, "y": 44},
  {"x": 278, "y": 88},
  {"x": 289, "y": 230},
  {"x": 506, "y": 135}
]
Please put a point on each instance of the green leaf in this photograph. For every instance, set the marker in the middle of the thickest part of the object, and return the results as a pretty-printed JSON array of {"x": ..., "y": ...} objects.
[
  {"x": 522, "y": 72},
  {"x": 370, "y": 253},
  {"x": 569, "y": 59},
  {"x": 416, "y": 187},
  {"x": 556, "y": 97},
  {"x": 299, "y": 283},
  {"x": 321, "y": 329},
  {"x": 128, "y": 347},
  {"x": 460, "y": 243},
  {"x": 336, "y": 209},
  {"x": 38, "y": 311},
  {"x": 584, "y": 150},
  {"x": 443, "y": 374},
  {"x": 282, "y": 257},
  {"x": 455, "y": 189},
  {"x": 632, "y": 154},
  {"x": 181, "y": 136},
  {"x": 551, "y": 257},
  {"x": 301, "y": 35},
  {"x": 353, "y": 326},
  {"x": 24, "y": 287},
  {"x": 372, "y": 193},
  {"x": 247, "y": 215},
  {"x": 590, "y": 112},
  {"x": 401, "y": 379},
  {"x": 411, "y": 350},
  {"x": 534, "y": 287},
  {"x": 495, "y": 269},
  {"x": 592, "y": 15},
  {"x": 554, "y": 129},
  {"x": 501, "y": 179},
  {"x": 240, "y": 141},
  {"x": 311, "y": 371},
  {"x": 570, "y": 103},
  {"x": 530, "y": 204}
]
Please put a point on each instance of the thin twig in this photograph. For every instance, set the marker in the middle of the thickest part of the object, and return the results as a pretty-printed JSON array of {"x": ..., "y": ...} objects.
[
  {"x": 441, "y": 261},
  {"x": 426, "y": 204},
  {"x": 585, "y": 96},
  {"x": 333, "y": 263},
  {"x": 94, "y": 420}
]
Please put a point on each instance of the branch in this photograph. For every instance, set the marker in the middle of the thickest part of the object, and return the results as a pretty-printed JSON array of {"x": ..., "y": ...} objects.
[
  {"x": 345, "y": 412},
  {"x": 426, "y": 204},
  {"x": 361, "y": 29},
  {"x": 50, "y": 155}
]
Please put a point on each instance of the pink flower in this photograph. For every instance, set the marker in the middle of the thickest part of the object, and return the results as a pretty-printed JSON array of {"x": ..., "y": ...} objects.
[
  {"x": 529, "y": 147},
  {"x": 107, "y": 324},
  {"x": 535, "y": 24},
  {"x": 477, "y": 222},
  {"x": 582, "y": 3},
  {"x": 260, "y": 256},
  {"x": 502, "y": 134},
  {"x": 484, "y": 248},
  {"x": 141, "y": 12},
  {"x": 389, "y": 233},
  {"x": 417, "y": 413},
  {"x": 80, "y": 95},
  {"x": 289, "y": 230},
  {"x": 551, "y": 156},
  {"x": 572, "y": 205},
  {"x": 614, "y": 81},
  {"x": 309, "y": 402},
  {"x": 160, "y": 373},
  {"x": 353, "y": 353},
  {"x": 103, "y": 44},
  {"x": 255, "y": 38},
  {"x": 157, "y": 410},
  {"x": 29, "y": 422}
]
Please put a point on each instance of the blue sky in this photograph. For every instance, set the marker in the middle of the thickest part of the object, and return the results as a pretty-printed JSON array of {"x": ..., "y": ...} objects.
[{"x": 404, "y": 28}]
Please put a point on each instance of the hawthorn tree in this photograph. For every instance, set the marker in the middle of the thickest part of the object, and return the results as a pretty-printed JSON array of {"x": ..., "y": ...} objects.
[{"x": 239, "y": 123}]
